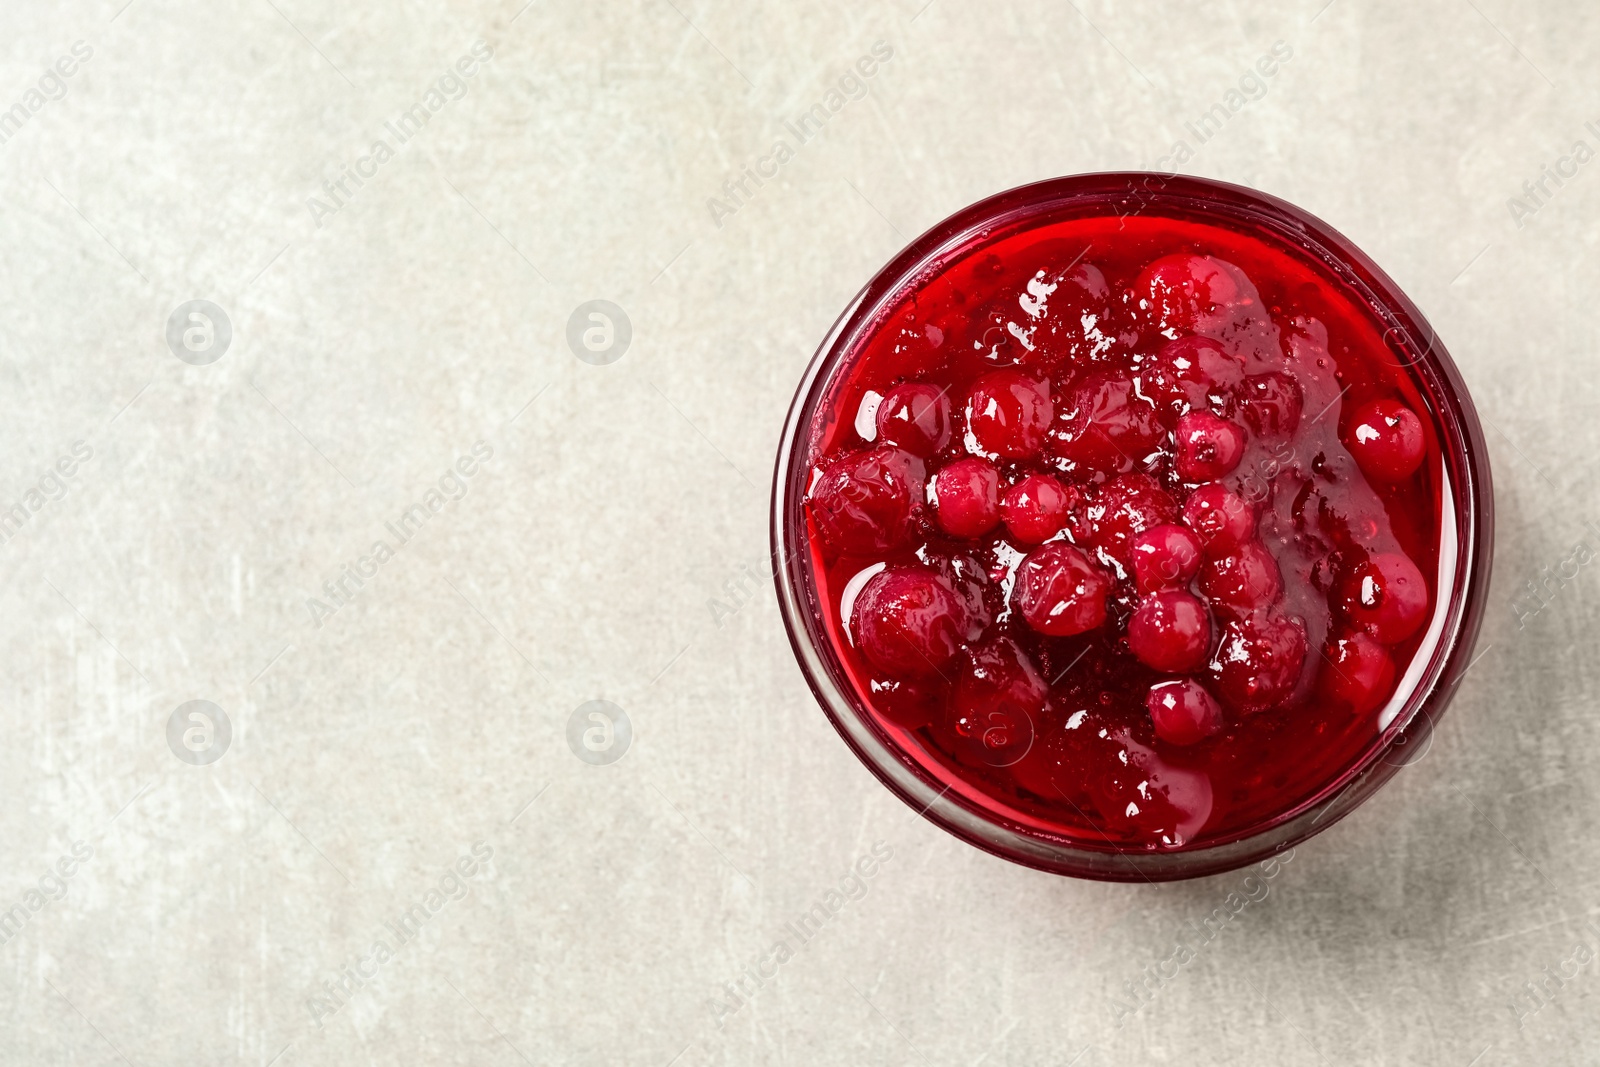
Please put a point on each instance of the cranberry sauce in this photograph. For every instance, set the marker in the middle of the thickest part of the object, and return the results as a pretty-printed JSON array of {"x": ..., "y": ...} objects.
[{"x": 1126, "y": 529}]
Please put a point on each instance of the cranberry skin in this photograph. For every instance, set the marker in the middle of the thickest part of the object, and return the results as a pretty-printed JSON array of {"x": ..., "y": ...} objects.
[
  {"x": 1191, "y": 374},
  {"x": 1207, "y": 447},
  {"x": 1258, "y": 661},
  {"x": 868, "y": 501},
  {"x": 1271, "y": 403},
  {"x": 1387, "y": 440},
  {"x": 1164, "y": 556},
  {"x": 1242, "y": 579},
  {"x": 1359, "y": 673},
  {"x": 1105, "y": 425},
  {"x": 997, "y": 700},
  {"x": 1386, "y": 596},
  {"x": 1183, "y": 711},
  {"x": 1127, "y": 505},
  {"x": 908, "y": 622},
  {"x": 1219, "y": 517},
  {"x": 1007, "y": 415},
  {"x": 1038, "y": 507},
  {"x": 915, "y": 416},
  {"x": 966, "y": 497},
  {"x": 1060, "y": 592},
  {"x": 1186, "y": 292},
  {"x": 1170, "y": 632}
]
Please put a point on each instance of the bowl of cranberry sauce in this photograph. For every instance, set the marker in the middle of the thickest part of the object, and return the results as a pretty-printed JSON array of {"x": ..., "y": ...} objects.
[{"x": 1132, "y": 527}]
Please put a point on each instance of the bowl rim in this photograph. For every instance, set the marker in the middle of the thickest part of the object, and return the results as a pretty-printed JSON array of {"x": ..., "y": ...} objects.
[{"x": 1466, "y": 468}]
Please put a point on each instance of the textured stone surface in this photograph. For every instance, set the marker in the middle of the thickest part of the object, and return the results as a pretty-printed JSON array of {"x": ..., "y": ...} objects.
[{"x": 374, "y": 345}]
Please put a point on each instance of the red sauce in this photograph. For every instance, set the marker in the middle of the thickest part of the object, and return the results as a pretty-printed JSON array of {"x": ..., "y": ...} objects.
[{"x": 1143, "y": 537}]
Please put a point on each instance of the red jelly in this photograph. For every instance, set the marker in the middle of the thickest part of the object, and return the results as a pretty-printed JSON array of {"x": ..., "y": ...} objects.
[{"x": 1127, "y": 529}]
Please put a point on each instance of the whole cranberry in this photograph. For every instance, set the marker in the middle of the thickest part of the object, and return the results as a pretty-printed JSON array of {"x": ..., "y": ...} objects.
[
  {"x": 1007, "y": 414},
  {"x": 1127, "y": 505},
  {"x": 1208, "y": 447},
  {"x": 1104, "y": 424},
  {"x": 868, "y": 501},
  {"x": 1358, "y": 672},
  {"x": 1183, "y": 711},
  {"x": 1038, "y": 507},
  {"x": 1191, "y": 374},
  {"x": 1170, "y": 632},
  {"x": 966, "y": 497},
  {"x": 1242, "y": 579},
  {"x": 997, "y": 700},
  {"x": 1188, "y": 293},
  {"x": 908, "y": 622},
  {"x": 915, "y": 416},
  {"x": 1164, "y": 556},
  {"x": 1059, "y": 591},
  {"x": 1270, "y": 403},
  {"x": 1219, "y": 517},
  {"x": 1386, "y": 596},
  {"x": 1258, "y": 661},
  {"x": 1387, "y": 439}
]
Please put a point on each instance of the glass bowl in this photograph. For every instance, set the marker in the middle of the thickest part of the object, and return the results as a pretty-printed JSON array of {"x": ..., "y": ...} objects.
[{"x": 1466, "y": 522}]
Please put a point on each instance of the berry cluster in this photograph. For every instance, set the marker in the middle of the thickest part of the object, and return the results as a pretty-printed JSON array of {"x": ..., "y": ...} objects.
[{"x": 1084, "y": 497}]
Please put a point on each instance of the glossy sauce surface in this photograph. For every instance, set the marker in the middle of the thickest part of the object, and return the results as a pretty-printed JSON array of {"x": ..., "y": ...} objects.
[{"x": 1126, "y": 527}]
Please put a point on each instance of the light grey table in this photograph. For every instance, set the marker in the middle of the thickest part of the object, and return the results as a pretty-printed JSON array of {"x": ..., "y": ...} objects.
[{"x": 393, "y": 726}]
